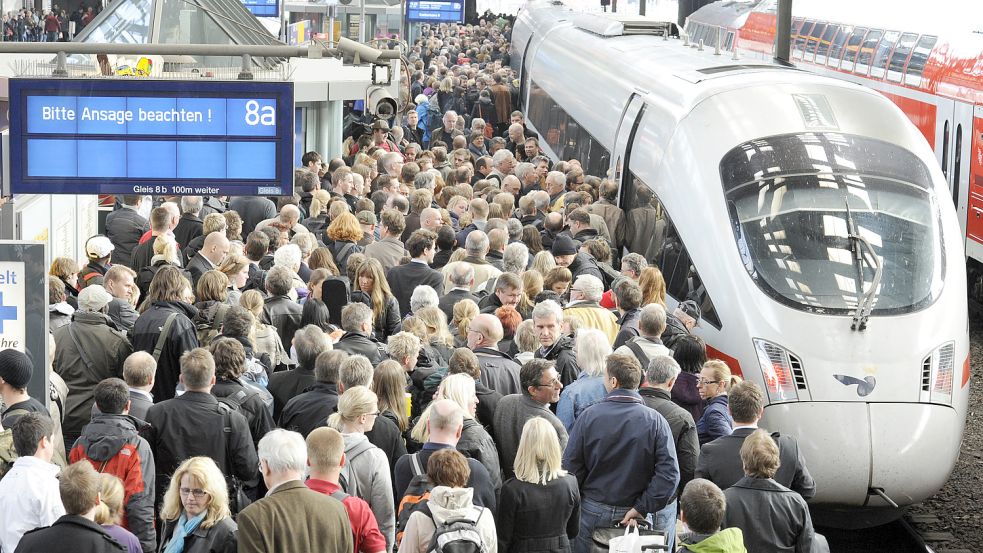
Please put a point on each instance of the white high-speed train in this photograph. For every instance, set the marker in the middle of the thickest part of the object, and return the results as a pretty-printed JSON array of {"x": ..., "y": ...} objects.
[{"x": 803, "y": 213}]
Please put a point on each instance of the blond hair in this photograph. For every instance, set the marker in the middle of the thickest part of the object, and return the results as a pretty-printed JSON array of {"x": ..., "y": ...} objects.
[
  {"x": 538, "y": 458},
  {"x": 464, "y": 312},
  {"x": 354, "y": 403},
  {"x": 206, "y": 474},
  {"x": 110, "y": 509},
  {"x": 722, "y": 373},
  {"x": 759, "y": 455}
]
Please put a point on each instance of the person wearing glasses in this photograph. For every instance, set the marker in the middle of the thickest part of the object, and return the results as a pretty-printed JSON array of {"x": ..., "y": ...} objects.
[
  {"x": 195, "y": 514},
  {"x": 714, "y": 383},
  {"x": 540, "y": 387},
  {"x": 366, "y": 472}
]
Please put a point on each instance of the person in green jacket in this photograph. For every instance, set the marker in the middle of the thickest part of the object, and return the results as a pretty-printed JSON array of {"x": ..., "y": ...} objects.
[{"x": 702, "y": 506}]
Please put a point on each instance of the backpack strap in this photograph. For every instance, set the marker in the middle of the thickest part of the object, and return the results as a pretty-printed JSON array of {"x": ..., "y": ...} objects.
[
  {"x": 639, "y": 352},
  {"x": 220, "y": 312},
  {"x": 82, "y": 353},
  {"x": 340, "y": 495},
  {"x": 14, "y": 413},
  {"x": 162, "y": 337}
]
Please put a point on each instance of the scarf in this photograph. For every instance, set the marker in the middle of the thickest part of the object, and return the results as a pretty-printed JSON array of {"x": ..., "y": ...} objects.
[{"x": 183, "y": 528}]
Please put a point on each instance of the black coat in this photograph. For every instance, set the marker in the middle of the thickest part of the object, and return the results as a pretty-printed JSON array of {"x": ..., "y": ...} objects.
[
  {"x": 253, "y": 210},
  {"x": 584, "y": 264},
  {"x": 69, "y": 533},
  {"x": 403, "y": 279},
  {"x": 309, "y": 410},
  {"x": 182, "y": 337},
  {"x": 356, "y": 343},
  {"x": 286, "y": 385},
  {"x": 194, "y": 424},
  {"x": 566, "y": 359},
  {"x": 386, "y": 436},
  {"x": 720, "y": 462},
  {"x": 533, "y": 518},
  {"x": 188, "y": 228},
  {"x": 284, "y": 314},
  {"x": 146, "y": 274},
  {"x": 124, "y": 227},
  {"x": 683, "y": 428},
  {"x": 252, "y": 407},
  {"x": 142, "y": 254},
  {"x": 448, "y": 300},
  {"x": 487, "y": 402},
  {"x": 198, "y": 266},
  {"x": 221, "y": 538}
]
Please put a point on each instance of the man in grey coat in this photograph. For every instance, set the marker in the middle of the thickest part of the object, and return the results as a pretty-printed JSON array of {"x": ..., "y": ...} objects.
[
  {"x": 498, "y": 370},
  {"x": 540, "y": 387},
  {"x": 389, "y": 250}
]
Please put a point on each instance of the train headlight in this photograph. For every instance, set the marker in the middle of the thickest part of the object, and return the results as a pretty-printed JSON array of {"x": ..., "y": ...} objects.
[
  {"x": 777, "y": 370},
  {"x": 938, "y": 372}
]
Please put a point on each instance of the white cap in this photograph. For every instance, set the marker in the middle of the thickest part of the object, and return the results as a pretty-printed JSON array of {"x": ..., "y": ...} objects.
[
  {"x": 98, "y": 247},
  {"x": 93, "y": 298}
]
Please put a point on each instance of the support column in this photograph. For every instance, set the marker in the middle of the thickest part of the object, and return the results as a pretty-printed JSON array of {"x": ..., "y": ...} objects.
[{"x": 329, "y": 127}]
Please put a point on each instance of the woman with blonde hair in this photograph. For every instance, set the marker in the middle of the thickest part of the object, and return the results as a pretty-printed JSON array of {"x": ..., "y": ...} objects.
[
  {"x": 265, "y": 337},
  {"x": 539, "y": 509},
  {"x": 526, "y": 341},
  {"x": 344, "y": 232},
  {"x": 438, "y": 340},
  {"x": 371, "y": 281},
  {"x": 317, "y": 219},
  {"x": 195, "y": 512},
  {"x": 236, "y": 268},
  {"x": 475, "y": 442},
  {"x": 653, "y": 286},
  {"x": 543, "y": 261},
  {"x": 464, "y": 312},
  {"x": 532, "y": 285},
  {"x": 165, "y": 254},
  {"x": 714, "y": 383},
  {"x": 367, "y": 470},
  {"x": 109, "y": 513}
]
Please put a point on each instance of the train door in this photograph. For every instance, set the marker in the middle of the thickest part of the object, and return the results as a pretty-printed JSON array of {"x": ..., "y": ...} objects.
[
  {"x": 625, "y": 135},
  {"x": 961, "y": 151},
  {"x": 974, "y": 161}
]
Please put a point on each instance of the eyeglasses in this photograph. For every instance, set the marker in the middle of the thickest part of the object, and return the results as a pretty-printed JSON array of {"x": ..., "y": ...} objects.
[
  {"x": 193, "y": 492},
  {"x": 704, "y": 382},
  {"x": 551, "y": 384},
  {"x": 376, "y": 414}
]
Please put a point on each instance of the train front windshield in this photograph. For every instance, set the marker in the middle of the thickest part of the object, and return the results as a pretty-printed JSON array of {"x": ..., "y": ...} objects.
[{"x": 799, "y": 204}]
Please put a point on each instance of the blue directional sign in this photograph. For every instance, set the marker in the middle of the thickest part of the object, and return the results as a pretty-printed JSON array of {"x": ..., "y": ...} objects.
[
  {"x": 105, "y": 136},
  {"x": 263, "y": 8},
  {"x": 437, "y": 11},
  {"x": 7, "y": 312}
]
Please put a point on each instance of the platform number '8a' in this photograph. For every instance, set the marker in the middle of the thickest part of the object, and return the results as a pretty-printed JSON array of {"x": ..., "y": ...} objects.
[{"x": 260, "y": 115}]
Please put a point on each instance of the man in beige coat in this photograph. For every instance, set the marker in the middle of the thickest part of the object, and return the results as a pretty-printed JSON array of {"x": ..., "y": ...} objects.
[
  {"x": 291, "y": 517},
  {"x": 389, "y": 250}
]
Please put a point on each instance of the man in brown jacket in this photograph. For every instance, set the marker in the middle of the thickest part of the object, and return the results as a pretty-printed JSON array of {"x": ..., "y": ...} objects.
[
  {"x": 291, "y": 517},
  {"x": 502, "y": 97}
]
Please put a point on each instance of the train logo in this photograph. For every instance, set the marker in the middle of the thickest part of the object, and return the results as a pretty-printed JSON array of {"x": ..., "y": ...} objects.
[{"x": 864, "y": 387}]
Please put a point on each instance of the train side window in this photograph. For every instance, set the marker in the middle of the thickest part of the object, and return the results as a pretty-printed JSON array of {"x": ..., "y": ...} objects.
[
  {"x": 836, "y": 48},
  {"x": 957, "y": 164},
  {"x": 564, "y": 135},
  {"x": 800, "y": 41},
  {"x": 852, "y": 49},
  {"x": 814, "y": 37},
  {"x": 900, "y": 56},
  {"x": 919, "y": 56},
  {"x": 866, "y": 53},
  {"x": 945, "y": 149},
  {"x": 883, "y": 54},
  {"x": 652, "y": 234},
  {"x": 730, "y": 41},
  {"x": 822, "y": 49}
]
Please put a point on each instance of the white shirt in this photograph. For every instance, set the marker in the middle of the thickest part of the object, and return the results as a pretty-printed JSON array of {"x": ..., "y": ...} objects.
[{"x": 29, "y": 499}]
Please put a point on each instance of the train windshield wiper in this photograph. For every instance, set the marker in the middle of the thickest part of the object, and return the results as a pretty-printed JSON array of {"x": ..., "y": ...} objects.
[{"x": 863, "y": 253}]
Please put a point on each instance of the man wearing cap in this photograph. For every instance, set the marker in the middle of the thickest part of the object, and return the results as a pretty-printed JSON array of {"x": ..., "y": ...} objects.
[
  {"x": 565, "y": 252},
  {"x": 15, "y": 374},
  {"x": 368, "y": 221},
  {"x": 87, "y": 351},
  {"x": 98, "y": 249},
  {"x": 380, "y": 136},
  {"x": 681, "y": 321}
]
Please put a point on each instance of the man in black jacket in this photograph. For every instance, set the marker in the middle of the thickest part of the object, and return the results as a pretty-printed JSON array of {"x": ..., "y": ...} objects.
[
  {"x": 281, "y": 311},
  {"x": 190, "y": 225},
  {"x": 124, "y": 227},
  {"x": 720, "y": 460},
  {"x": 212, "y": 253},
  {"x": 252, "y": 209},
  {"x": 196, "y": 424},
  {"x": 160, "y": 224},
  {"x": 356, "y": 320},
  {"x": 310, "y": 342},
  {"x": 565, "y": 251},
  {"x": 462, "y": 279},
  {"x": 403, "y": 279},
  {"x": 76, "y": 531},
  {"x": 120, "y": 282},
  {"x": 547, "y": 318},
  {"x": 311, "y": 409}
]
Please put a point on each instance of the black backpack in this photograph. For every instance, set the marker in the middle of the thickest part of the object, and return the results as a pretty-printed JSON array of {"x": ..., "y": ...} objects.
[{"x": 336, "y": 294}]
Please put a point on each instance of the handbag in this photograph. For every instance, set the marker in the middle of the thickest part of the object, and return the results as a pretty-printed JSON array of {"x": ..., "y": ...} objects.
[{"x": 629, "y": 539}]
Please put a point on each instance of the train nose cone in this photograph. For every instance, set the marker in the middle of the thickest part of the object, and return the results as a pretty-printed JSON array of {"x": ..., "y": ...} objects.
[{"x": 905, "y": 449}]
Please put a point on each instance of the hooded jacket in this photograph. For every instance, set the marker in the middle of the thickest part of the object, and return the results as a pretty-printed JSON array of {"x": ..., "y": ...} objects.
[
  {"x": 728, "y": 540},
  {"x": 444, "y": 504},
  {"x": 112, "y": 444},
  {"x": 566, "y": 361},
  {"x": 104, "y": 347}
]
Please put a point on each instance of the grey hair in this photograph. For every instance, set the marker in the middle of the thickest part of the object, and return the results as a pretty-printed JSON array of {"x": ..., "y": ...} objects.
[
  {"x": 557, "y": 177},
  {"x": 462, "y": 274},
  {"x": 356, "y": 371},
  {"x": 516, "y": 257},
  {"x": 652, "y": 321},
  {"x": 354, "y": 315},
  {"x": 591, "y": 286},
  {"x": 592, "y": 348},
  {"x": 310, "y": 342},
  {"x": 192, "y": 204},
  {"x": 523, "y": 169},
  {"x": 289, "y": 256},
  {"x": 477, "y": 123},
  {"x": 389, "y": 159},
  {"x": 661, "y": 369},
  {"x": 542, "y": 199},
  {"x": 306, "y": 241},
  {"x": 283, "y": 451},
  {"x": 476, "y": 243},
  {"x": 548, "y": 308},
  {"x": 423, "y": 296},
  {"x": 425, "y": 179},
  {"x": 501, "y": 156},
  {"x": 634, "y": 261},
  {"x": 514, "y": 228}
]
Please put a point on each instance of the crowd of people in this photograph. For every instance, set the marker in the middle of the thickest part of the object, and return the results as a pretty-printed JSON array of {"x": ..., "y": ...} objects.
[
  {"x": 49, "y": 25},
  {"x": 444, "y": 340}
]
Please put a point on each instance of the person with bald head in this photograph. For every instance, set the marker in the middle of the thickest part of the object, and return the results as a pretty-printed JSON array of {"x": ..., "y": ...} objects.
[
  {"x": 445, "y": 423},
  {"x": 499, "y": 371},
  {"x": 288, "y": 221},
  {"x": 210, "y": 257},
  {"x": 431, "y": 220}
]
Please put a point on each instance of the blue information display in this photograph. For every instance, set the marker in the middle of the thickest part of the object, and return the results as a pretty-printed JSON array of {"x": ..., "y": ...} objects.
[
  {"x": 151, "y": 137},
  {"x": 263, "y": 8},
  {"x": 435, "y": 11}
]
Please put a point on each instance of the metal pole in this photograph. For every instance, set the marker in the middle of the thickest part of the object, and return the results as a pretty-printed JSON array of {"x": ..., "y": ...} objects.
[
  {"x": 331, "y": 10},
  {"x": 367, "y": 53},
  {"x": 783, "y": 31},
  {"x": 361, "y": 22},
  {"x": 641, "y": 7}
]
